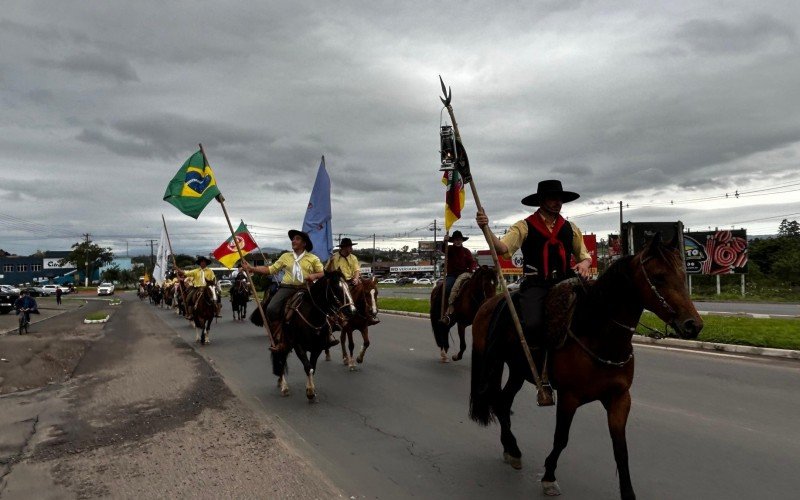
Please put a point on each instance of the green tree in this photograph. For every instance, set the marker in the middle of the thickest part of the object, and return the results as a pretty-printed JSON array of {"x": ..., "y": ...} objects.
[
  {"x": 789, "y": 228},
  {"x": 85, "y": 252},
  {"x": 112, "y": 274}
]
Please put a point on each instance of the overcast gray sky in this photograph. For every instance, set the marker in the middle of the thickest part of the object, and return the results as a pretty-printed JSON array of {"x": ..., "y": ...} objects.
[{"x": 641, "y": 101}]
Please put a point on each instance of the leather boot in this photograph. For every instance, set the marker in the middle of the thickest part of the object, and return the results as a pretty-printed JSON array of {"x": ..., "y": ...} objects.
[{"x": 277, "y": 335}]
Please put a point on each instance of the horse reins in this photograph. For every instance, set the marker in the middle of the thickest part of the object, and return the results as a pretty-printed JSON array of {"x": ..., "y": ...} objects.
[{"x": 327, "y": 313}]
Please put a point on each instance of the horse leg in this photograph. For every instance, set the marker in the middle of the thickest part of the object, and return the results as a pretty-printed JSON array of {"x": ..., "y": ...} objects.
[
  {"x": 342, "y": 338},
  {"x": 351, "y": 361},
  {"x": 462, "y": 345},
  {"x": 310, "y": 389},
  {"x": 502, "y": 410},
  {"x": 365, "y": 345},
  {"x": 565, "y": 411},
  {"x": 208, "y": 331},
  {"x": 617, "y": 409}
]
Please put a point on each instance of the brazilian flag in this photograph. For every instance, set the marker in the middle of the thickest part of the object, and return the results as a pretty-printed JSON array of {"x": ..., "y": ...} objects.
[{"x": 193, "y": 186}]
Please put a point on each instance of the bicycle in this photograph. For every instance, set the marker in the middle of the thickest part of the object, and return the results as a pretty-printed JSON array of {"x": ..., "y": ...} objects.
[{"x": 24, "y": 320}]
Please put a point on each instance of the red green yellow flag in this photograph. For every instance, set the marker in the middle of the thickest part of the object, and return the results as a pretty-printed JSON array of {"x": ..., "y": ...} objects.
[
  {"x": 454, "y": 197},
  {"x": 227, "y": 253}
]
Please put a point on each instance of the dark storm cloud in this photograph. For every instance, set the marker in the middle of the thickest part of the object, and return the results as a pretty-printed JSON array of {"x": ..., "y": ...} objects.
[{"x": 715, "y": 36}]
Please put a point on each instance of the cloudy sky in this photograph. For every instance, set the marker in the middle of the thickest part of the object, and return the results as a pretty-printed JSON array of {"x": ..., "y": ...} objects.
[{"x": 667, "y": 106}]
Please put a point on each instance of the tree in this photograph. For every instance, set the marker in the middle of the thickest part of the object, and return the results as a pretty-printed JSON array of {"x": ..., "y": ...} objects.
[
  {"x": 112, "y": 274},
  {"x": 789, "y": 228},
  {"x": 86, "y": 251}
]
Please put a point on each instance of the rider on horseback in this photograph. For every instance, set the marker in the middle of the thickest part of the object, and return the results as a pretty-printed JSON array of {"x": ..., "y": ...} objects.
[
  {"x": 544, "y": 238},
  {"x": 200, "y": 278},
  {"x": 301, "y": 266},
  {"x": 459, "y": 261},
  {"x": 347, "y": 263}
]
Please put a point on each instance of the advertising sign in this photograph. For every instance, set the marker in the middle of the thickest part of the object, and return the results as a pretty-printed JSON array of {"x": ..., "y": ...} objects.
[
  {"x": 590, "y": 240},
  {"x": 411, "y": 269},
  {"x": 427, "y": 246},
  {"x": 614, "y": 246},
  {"x": 512, "y": 266},
  {"x": 365, "y": 270},
  {"x": 716, "y": 252},
  {"x": 54, "y": 264}
]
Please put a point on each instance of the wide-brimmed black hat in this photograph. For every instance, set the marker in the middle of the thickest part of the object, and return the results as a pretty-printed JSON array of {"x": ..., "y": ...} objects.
[
  {"x": 306, "y": 238},
  {"x": 549, "y": 188},
  {"x": 457, "y": 234},
  {"x": 346, "y": 242},
  {"x": 202, "y": 258}
]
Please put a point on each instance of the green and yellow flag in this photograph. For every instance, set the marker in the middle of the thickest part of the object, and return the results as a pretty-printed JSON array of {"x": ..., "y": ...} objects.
[{"x": 193, "y": 186}]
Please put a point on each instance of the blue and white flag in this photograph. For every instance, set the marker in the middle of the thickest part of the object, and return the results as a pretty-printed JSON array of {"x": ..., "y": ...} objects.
[{"x": 317, "y": 222}]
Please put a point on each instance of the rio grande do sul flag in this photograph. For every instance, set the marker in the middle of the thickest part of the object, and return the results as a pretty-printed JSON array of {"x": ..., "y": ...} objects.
[
  {"x": 454, "y": 197},
  {"x": 227, "y": 253},
  {"x": 193, "y": 187}
]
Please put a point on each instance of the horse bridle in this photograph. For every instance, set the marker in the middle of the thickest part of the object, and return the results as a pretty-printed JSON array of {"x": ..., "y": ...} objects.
[
  {"x": 655, "y": 291},
  {"x": 330, "y": 311}
]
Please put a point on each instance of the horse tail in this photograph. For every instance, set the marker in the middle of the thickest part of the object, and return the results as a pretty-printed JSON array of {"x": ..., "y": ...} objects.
[
  {"x": 440, "y": 331},
  {"x": 487, "y": 368},
  {"x": 255, "y": 316}
]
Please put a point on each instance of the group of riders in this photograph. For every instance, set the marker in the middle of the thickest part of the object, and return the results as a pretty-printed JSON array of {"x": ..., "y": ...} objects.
[{"x": 547, "y": 242}]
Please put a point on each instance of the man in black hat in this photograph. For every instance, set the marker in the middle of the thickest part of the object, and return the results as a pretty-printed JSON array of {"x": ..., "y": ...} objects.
[
  {"x": 300, "y": 265},
  {"x": 547, "y": 240},
  {"x": 346, "y": 262},
  {"x": 459, "y": 261},
  {"x": 200, "y": 278}
]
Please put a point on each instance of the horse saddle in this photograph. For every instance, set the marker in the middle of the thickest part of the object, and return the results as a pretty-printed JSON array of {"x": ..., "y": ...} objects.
[
  {"x": 559, "y": 307},
  {"x": 291, "y": 305}
]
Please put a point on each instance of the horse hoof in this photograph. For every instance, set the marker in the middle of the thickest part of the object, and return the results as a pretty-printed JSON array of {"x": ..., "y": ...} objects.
[
  {"x": 310, "y": 394},
  {"x": 345, "y": 361},
  {"x": 514, "y": 462},
  {"x": 456, "y": 357},
  {"x": 285, "y": 392},
  {"x": 551, "y": 489},
  {"x": 327, "y": 356},
  {"x": 353, "y": 368},
  {"x": 360, "y": 359}
]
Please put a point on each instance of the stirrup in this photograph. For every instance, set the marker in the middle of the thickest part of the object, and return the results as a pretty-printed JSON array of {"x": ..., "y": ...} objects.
[{"x": 545, "y": 396}]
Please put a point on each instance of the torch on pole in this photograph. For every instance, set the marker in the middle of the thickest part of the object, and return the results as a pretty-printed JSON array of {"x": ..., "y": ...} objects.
[{"x": 544, "y": 397}]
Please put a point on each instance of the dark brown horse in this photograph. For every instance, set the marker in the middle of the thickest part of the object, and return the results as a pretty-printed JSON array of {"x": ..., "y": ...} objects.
[
  {"x": 307, "y": 328},
  {"x": 240, "y": 294},
  {"x": 203, "y": 311},
  {"x": 596, "y": 361},
  {"x": 481, "y": 286},
  {"x": 365, "y": 298}
]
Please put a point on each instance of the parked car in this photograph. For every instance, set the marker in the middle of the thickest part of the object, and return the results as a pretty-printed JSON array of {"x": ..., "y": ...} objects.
[
  {"x": 36, "y": 291},
  {"x": 52, "y": 289},
  {"x": 9, "y": 289},
  {"x": 105, "y": 288},
  {"x": 7, "y": 301},
  {"x": 405, "y": 281},
  {"x": 225, "y": 283},
  {"x": 423, "y": 281},
  {"x": 388, "y": 281}
]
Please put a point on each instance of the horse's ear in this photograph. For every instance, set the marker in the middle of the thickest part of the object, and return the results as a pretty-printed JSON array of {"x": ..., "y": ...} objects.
[
  {"x": 654, "y": 243},
  {"x": 374, "y": 279}
]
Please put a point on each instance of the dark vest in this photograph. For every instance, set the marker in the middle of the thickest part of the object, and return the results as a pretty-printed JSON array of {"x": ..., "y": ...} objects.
[{"x": 533, "y": 252}]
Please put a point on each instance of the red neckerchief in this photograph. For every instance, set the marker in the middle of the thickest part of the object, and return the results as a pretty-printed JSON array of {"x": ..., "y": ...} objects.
[{"x": 552, "y": 239}]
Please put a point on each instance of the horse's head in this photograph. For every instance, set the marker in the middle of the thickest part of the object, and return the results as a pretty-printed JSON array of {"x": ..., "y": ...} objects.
[
  {"x": 337, "y": 293},
  {"x": 486, "y": 278},
  {"x": 366, "y": 297},
  {"x": 661, "y": 279}
]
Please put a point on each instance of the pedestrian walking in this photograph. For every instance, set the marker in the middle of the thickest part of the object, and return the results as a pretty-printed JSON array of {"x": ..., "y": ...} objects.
[{"x": 58, "y": 296}]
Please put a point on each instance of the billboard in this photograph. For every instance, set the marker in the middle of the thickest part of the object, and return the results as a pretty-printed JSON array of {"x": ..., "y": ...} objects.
[
  {"x": 716, "y": 252},
  {"x": 411, "y": 269},
  {"x": 512, "y": 266},
  {"x": 428, "y": 245}
]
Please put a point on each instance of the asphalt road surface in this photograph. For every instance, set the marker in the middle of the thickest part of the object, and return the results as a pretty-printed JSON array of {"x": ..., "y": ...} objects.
[{"x": 705, "y": 426}]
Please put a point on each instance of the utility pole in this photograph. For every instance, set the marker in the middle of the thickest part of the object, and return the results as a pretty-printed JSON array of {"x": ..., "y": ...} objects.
[
  {"x": 373, "y": 253},
  {"x": 620, "y": 219},
  {"x": 433, "y": 254},
  {"x": 86, "y": 279}
]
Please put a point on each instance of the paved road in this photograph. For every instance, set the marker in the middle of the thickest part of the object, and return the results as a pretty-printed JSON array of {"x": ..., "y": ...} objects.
[
  {"x": 782, "y": 309},
  {"x": 702, "y": 426}
]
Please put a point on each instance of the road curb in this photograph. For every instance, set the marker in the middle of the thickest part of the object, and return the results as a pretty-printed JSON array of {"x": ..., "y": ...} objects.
[
  {"x": 679, "y": 343},
  {"x": 748, "y": 315},
  {"x": 44, "y": 319}
]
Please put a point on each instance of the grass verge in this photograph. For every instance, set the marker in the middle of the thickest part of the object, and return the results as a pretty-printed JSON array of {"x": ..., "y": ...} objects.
[
  {"x": 97, "y": 315},
  {"x": 776, "y": 333}
]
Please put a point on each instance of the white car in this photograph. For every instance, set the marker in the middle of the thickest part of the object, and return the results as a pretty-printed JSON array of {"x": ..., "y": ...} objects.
[
  {"x": 423, "y": 281},
  {"x": 52, "y": 289},
  {"x": 225, "y": 283},
  {"x": 105, "y": 288},
  {"x": 388, "y": 281},
  {"x": 9, "y": 289}
]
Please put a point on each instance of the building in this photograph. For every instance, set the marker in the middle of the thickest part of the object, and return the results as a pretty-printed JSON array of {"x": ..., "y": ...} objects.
[{"x": 43, "y": 267}]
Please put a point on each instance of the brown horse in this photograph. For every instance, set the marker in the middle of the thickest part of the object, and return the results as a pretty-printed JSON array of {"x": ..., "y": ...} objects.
[
  {"x": 365, "y": 298},
  {"x": 240, "y": 294},
  {"x": 203, "y": 311},
  {"x": 481, "y": 286},
  {"x": 596, "y": 360}
]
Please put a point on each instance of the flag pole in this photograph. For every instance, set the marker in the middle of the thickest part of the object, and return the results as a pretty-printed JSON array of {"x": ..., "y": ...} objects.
[
  {"x": 174, "y": 262},
  {"x": 445, "y": 244},
  {"x": 221, "y": 200},
  {"x": 542, "y": 399},
  {"x": 263, "y": 257}
]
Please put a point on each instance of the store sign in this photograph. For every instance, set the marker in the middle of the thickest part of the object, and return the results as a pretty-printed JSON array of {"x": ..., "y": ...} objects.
[
  {"x": 716, "y": 252},
  {"x": 54, "y": 264},
  {"x": 365, "y": 270},
  {"x": 411, "y": 269}
]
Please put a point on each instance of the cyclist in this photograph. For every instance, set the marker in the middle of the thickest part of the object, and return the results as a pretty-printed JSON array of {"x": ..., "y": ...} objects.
[{"x": 25, "y": 305}]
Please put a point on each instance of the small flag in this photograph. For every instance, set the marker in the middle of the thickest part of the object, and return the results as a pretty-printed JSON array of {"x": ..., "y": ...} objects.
[
  {"x": 193, "y": 186},
  {"x": 160, "y": 269},
  {"x": 317, "y": 222},
  {"x": 227, "y": 253},
  {"x": 454, "y": 197}
]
